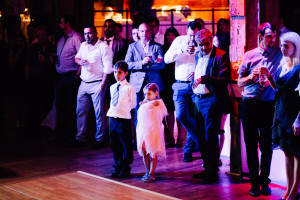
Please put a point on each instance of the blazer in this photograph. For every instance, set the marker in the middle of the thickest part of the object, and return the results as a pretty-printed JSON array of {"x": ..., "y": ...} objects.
[
  {"x": 119, "y": 48},
  {"x": 217, "y": 77},
  {"x": 139, "y": 72}
]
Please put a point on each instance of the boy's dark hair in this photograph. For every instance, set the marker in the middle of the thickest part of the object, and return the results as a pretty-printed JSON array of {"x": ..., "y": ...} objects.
[
  {"x": 193, "y": 25},
  {"x": 121, "y": 64},
  {"x": 69, "y": 19}
]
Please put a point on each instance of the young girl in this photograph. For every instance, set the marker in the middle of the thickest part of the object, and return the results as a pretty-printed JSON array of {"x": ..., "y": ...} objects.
[{"x": 150, "y": 130}]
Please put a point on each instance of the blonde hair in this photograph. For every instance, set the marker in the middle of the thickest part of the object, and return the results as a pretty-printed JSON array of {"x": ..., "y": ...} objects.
[
  {"x": 294, "y": 38},
  {"x": 152, "y": 87}
]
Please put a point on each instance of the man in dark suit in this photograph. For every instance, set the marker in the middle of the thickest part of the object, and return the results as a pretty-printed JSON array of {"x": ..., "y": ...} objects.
[
  {"x": 145, "y": 60},
  {"x": 212, "y": 75},
  {"x": 119, "y": 47}
]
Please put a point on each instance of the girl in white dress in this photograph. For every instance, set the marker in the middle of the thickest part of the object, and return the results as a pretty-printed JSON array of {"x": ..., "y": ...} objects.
[{"x": 150, "y": 130}]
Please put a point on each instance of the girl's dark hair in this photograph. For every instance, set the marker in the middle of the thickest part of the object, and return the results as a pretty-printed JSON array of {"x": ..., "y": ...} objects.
[
  {"x": 170, "y": 30},
  {"x": 153, "y": 87}
]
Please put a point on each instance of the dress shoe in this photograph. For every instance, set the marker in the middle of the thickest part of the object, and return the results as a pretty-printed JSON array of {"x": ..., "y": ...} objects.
[
  {"x": 200, "y": 175},
  {"x": 210, "y": 179},
  {"x": 170, "y": 145},
  {"x": 98, "y": 145},
  {"x": 187, "y": 157},
  {"x": 179, "y": 143},
  {"x": 124, "y": 174},
  {"x": 255, "y": 191},
  {"x": 265, "y": 190},
  {"x": 115, "y": 173}
]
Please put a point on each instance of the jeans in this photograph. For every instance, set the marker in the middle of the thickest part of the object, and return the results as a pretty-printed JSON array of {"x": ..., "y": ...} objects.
[
  {"x": 208, "y": 118},
  {"x": 183, "y": 101},
  {"x": 86, "y": 93}
]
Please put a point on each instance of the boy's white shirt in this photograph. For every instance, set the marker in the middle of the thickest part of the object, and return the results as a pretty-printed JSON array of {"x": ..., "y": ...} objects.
[{"x": 126, "y": 100}]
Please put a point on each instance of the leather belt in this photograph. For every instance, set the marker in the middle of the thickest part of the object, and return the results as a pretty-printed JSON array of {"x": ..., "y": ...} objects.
[
  {"x": 201, "y": 96},
  {"x": 177, "y": 81}
]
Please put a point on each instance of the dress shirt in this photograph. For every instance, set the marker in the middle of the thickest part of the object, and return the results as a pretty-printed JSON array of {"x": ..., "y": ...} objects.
[
  {"x": 68, "y": 52},
  {"x": 99, "y": 57},
  {"x": 184, "y": 62},
  {"x": 257, "y": 57},
  {"x": 145, "y": 46},
  {"x": 201, "y": 71},
  {"x": 126, "y": 101},
  {"x": 111, "y": 41},
  {"x": 159, "y": 38}
]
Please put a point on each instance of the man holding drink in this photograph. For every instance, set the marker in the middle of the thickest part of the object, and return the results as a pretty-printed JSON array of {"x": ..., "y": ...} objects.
[{"x": 257, "y": 107}]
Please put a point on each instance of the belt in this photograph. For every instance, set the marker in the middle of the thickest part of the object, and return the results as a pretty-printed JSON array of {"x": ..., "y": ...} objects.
[
  {"x": 177, "y": 81},
  {"x": 93, "y": 81},
  {"x": 201, "y": 96}
]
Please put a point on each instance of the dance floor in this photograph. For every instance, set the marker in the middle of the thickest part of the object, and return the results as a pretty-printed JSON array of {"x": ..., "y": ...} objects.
[{"x": 36, "y": 169}]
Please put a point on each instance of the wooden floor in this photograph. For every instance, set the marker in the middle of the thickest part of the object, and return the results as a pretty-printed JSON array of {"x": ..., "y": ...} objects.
[{"x": 37, "y": 169}]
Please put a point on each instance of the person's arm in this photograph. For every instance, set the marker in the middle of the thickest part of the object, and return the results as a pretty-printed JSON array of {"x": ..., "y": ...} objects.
[
  {"x": 174, "y": 51},
  {"x": 223, "y": 77},
  {"x": 159, "y": 63},
  {"x": 296, "y": 125},
  {"x": 130, "y": 60},
  {"x": 107, "y": 64},
  {"x": 245, "y": 76},
  {"x": 266, "y": 79}
]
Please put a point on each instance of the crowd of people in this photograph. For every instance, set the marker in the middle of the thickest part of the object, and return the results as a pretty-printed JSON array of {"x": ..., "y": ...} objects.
[{"x": 145, "y": 85}]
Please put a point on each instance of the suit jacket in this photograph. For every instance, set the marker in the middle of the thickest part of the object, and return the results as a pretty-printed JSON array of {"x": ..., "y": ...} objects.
[
  {"x": 119, "y": 48},
  {"x": 139, "y": 72},
  {"x": 217, "y": 77}
]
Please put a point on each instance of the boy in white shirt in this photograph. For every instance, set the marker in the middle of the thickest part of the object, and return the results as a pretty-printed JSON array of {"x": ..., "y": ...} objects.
[{"x": 123, "y": 100}]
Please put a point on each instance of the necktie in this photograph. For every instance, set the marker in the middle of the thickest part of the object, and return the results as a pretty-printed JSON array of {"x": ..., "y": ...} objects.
[
  {"x": 115, "y": 96},
  {"x": 58, "y": 56}
]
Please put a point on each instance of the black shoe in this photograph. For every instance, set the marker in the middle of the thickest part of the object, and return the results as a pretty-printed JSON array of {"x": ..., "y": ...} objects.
[
  {"x": 188, "y": 157},
  {"x": 220, "y": 163},
  {"x": 170, "y": 145},
  {"x": 124, "y": 174},
  {"x": 265, "y": 190},
  {"x": 115, "y": 173},
  {"x": 255, "y": 191},
  {"x": 98, "y": 145},
  {"x": 210, "y": 179},
  {"x": 179, "y": 143},
  {"x": 200, "y": 175}
]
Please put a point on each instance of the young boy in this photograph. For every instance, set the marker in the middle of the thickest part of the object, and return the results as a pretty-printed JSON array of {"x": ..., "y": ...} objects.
[{"x": 123, "y": 100}]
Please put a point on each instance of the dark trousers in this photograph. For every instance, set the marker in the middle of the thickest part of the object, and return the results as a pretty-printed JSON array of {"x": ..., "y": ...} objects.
[
  {"x": 208, "y": 119},
  {"x": 121, "y": 142},
  {"x": 66, "y": 97},
  {"x": 257, "y": 119}
]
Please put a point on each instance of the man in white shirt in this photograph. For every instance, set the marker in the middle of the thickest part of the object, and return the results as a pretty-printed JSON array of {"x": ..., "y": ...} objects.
[
  {"x": 95, "y": 59},
  {"x": 212, "y": 75},
  {"x": 154, "y": 28},
  {"x": 182, "y": 53}
]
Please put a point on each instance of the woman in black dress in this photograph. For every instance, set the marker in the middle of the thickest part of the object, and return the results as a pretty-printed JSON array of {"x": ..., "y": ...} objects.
[{"x": 286, "y": 127}]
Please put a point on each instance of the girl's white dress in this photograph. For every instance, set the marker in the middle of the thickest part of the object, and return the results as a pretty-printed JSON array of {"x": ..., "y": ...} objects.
[{"x": 150, "y": 129}]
